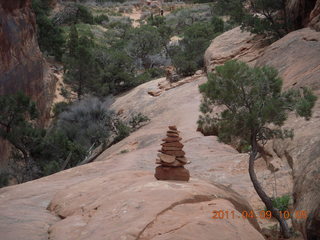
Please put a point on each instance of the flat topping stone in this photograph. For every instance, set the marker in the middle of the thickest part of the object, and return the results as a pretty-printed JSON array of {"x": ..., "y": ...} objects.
[
  {"x": 173, "y": 131},
  {"x": 166, "y": 158},
  {"x": 173, "y": 127}
]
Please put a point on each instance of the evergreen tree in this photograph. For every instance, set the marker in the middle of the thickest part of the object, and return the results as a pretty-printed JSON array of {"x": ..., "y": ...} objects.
[
  {"x": 253, "y": 102},
  {"x": 188, "y": 56},
  {"x": 50, "y": 37},
  {"x": 257, "y": 16},
  {"x": 80, "y": 63},
  {"x": 73, "y": 42},
  {"x": 16, "y": 126},
  {"x": 144, "y": 42}
]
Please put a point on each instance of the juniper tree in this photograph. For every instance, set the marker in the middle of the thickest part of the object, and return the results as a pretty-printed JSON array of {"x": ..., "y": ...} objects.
[
  {"x": 16, "y": 126},
  {"x": 144, "y": 42},
  {"x": 188, "y": 56},
  {"x": 257, "y": 16},
  {"x": 80, "y": 62},
  {"x": 255, "y": 108}
]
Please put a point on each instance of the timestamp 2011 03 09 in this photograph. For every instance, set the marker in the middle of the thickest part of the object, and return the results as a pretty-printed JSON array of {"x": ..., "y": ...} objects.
[{"x": 264, "y": 214}]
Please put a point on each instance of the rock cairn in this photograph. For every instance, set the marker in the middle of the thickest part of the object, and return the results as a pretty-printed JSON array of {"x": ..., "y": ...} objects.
[{"x": 172, "y": 158}]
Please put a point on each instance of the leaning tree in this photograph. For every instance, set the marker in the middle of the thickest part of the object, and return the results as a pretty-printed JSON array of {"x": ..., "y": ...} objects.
[{"x": 254, "y": 109}]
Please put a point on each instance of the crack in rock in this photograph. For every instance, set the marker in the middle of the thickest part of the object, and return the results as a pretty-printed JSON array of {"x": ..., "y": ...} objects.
[{"x": 195, "y": 199}]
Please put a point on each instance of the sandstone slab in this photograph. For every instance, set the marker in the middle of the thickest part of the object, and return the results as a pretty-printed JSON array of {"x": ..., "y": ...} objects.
[
  {"x": 233, "y": 44},
  {"x": 141, "y": 209},
  {"x": 22, "y": 66},
  {"x": 169, "y": 173},
  {"x": 297, "y": 58}
]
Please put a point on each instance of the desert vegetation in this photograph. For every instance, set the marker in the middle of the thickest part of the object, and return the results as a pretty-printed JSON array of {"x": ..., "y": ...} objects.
[
  {"x": 254, "y": 110},
  {"x": 104, "y": 54},
  {"x": 77, "y": 129}
]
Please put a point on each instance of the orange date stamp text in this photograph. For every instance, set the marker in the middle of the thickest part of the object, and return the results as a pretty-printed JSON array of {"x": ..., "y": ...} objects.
[{"x": 226, "y": 214}]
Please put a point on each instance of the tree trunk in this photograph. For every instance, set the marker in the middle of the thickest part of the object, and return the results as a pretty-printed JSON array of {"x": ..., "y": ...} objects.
[{"x": 263, "y": 196}]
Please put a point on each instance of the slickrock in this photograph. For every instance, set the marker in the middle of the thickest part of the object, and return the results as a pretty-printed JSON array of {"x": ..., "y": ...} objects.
[
  {"x": 297, "y": 58},
  {"x": 172, "y": 158},
  {"x": 233, "y": 44},
  {"x": 22, "y": 67}
]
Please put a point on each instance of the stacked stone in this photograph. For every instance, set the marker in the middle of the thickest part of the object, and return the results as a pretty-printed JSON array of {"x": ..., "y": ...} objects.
[{"x": 172, "y": 158}]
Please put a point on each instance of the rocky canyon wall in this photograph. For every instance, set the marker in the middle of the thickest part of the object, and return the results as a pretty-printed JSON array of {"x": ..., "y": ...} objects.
[
  {"x": 303, "y": 13},
  {"x": 297, "y": 58},
  {"x": 22, "y": 66}
]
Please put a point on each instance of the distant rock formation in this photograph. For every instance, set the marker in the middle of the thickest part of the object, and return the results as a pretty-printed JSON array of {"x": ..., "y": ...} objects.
[
  {"x": 22, "y": 67},
  {"x": 315, "y": 17},
  {"x": 172, "y": 158},
  {"x": 303, "y": 13}
]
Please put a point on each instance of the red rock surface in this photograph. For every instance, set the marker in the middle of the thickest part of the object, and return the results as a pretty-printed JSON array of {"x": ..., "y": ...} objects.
[
  {"x": 22, "y": 67},
  {"x": 113, "y": 198},
  {"x": 233, "y": 44},
  {"x": 112, "y": 185},
  {"x": 303, "y": 12},
  {"x": 297, "y": 58},
  {"x": 91, "y": 202},
  {"x": 315, "y": 17},
  {"x": 172, "y": 173}
]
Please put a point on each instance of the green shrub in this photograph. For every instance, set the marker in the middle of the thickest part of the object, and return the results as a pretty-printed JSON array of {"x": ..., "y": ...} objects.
[
  {"x": 188, "y": 56},
  {"x": 184, "y": 65},
  {"x": 101, "y": 18},
  {"x": 123, "y": 131},
  {"x": 4, "y": 178},
  {"x": 117, "y": 72},
  {"x": 260, "y": 16},
  {"x": 254, "y": 110},
  {"x": 51, "y": 168},
  {"x": 86, "y": 122},
  {"x": 217, "y": 25},
  {"x": 144, "y": 42},
  {"x": 281, "y": 203},
  {"x": 136, "y": 119},
  {"x": 84, "y": 15},
  {"x": 124, "y": 151},
  {"x": 59, "y": 108},
  {"x": 156, "y": 72},
  {"x": 50, "y": 36},
  {"x": 142, "y": 78}
]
